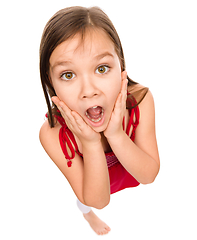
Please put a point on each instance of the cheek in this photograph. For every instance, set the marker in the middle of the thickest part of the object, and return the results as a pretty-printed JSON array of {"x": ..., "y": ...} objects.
[
  {"x": 116, "y": 88},
  {"x": 64, "y": 94}
]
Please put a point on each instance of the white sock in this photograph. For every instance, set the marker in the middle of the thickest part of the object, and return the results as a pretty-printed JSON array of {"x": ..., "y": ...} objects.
[{"x": 83, "y": 208}]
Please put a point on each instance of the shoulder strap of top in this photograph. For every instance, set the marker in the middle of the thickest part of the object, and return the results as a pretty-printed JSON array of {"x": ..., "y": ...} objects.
[
  {"x": 133, "y": 111},
  {"x": 67, "y": 138}
]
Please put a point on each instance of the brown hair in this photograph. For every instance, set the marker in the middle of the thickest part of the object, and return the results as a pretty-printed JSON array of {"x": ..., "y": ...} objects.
[{"x": 65, "y": 24}]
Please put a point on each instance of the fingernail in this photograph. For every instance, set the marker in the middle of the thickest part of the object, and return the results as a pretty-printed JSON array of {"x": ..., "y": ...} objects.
[{"x": 53, "y": 100}]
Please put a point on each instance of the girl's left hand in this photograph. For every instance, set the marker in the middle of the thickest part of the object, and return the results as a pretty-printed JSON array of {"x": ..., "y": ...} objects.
[{"x": 114, "y": 127}]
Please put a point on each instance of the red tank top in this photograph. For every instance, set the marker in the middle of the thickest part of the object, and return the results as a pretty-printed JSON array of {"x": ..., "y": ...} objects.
[{"x": 119, "y": 177}]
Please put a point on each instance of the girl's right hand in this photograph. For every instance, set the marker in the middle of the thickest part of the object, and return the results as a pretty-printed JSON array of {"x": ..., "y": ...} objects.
[{"x": 76, "y": 124}]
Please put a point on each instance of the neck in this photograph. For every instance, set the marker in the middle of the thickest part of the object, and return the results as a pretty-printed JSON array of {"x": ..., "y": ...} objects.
[{"x": 105, "y": 144}]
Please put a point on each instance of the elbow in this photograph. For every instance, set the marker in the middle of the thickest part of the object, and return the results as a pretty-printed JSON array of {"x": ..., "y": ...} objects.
[
  {"x": 147, "y": 181},
  {"x": 150, "y": 178}
]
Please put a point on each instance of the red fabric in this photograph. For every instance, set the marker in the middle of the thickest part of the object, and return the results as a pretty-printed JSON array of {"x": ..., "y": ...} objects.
[{"x": 119, "y": 177}]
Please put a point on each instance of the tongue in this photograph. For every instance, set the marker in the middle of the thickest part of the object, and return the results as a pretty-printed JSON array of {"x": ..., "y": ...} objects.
[{"x": 94, "y": 112}]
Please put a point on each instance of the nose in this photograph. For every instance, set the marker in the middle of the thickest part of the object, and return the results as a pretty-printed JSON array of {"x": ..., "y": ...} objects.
[{"x": 88, "y": 88}]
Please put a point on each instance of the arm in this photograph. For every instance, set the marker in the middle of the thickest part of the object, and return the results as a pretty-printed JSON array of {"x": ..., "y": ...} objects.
[
  {"x": 142, "y": 166},
  {"x": 95, "y": 187},
  {"x": 140, "y": 158},
  {"x": 96, "y": 190}
]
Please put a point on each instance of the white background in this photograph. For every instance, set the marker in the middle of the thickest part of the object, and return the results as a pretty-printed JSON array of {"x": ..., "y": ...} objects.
[{"x": 159, "y": 39}]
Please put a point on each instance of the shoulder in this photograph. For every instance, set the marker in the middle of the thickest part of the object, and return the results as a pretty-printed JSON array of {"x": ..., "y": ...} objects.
[
  {"x": 49, "y": 139},
  {"x": 47, "y": 133},
  {"x": 145, "y": 132},
  {"x": 147, "y": 108},
  {"x": 135, "y": 88},
  {"x": 145, "y": 136},
  {"x": 146, "y": 96}
]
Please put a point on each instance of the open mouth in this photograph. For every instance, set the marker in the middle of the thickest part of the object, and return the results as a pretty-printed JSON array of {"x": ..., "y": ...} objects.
[{"x": 95, "y": 114}]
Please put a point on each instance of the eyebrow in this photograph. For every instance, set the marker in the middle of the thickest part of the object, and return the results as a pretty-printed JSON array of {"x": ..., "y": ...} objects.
[
  {"x": 97, "y": 57},
  {"x": 60, "y": 63},
  {"x": 102, "y": 55}
]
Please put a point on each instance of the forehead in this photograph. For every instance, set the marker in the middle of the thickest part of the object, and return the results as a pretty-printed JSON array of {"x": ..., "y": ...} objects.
[{"x": 94, "y": 43}]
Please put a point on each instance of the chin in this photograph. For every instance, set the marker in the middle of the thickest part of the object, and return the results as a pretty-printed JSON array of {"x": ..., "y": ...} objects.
[
  {"x": 98, "y": 125},
  {"x": 100, "y": 130}
]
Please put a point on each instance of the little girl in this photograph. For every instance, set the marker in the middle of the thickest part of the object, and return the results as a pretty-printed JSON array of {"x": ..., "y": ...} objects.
[{"x": 100, "y": 130}]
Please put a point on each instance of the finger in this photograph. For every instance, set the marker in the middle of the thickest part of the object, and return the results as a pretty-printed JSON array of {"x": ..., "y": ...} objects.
[
  {"x": 64, "y": 110},
  {"x": 124, "y": 75},
  {"x": 118, "y": 103},
  {"x": 124, "y": 84},
  {"x": 55, "y": 100},
  {"x": 59, "y": 103},
  {"x": 123, "y": 92},
  {"x": 78, "y": 119}
]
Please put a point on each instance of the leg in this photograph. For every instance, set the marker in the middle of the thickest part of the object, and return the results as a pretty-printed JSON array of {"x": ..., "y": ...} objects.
[
  {"x": 96, "y": 224},
  {"x": 83, "y": 208}
]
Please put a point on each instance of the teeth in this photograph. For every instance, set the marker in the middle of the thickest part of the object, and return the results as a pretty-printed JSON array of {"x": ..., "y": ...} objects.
[{"x": 95, "y": 120}]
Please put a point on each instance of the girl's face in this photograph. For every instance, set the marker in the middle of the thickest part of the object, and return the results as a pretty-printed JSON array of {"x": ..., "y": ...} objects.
[{"x": 87, "y": 77}]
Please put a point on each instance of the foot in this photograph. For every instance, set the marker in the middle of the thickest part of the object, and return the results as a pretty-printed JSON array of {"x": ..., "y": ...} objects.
[{"x": 96, "y": 224}]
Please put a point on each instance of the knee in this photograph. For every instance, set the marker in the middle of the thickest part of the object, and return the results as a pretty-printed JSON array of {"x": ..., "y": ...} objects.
[{"x": 101, "y": 205}]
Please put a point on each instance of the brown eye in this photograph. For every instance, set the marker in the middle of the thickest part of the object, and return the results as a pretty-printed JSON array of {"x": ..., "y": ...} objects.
[
  {"x": 68, "y": 76},
  {"x": 102, "y": 69}
]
